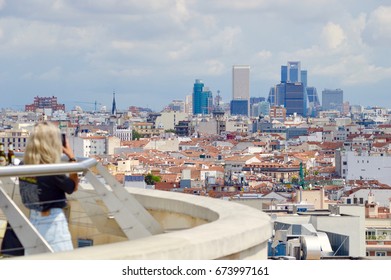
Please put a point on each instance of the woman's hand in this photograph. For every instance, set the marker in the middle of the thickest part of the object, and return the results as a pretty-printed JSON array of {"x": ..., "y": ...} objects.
[{"x": 66, "y": 149}]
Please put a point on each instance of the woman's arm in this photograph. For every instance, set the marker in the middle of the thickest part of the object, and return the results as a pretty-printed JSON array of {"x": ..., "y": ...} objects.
[{"x": 66, "y": 149}]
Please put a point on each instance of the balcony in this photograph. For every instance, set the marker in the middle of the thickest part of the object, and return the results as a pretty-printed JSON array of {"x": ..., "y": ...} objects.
[{"x": 131, "y": 223}]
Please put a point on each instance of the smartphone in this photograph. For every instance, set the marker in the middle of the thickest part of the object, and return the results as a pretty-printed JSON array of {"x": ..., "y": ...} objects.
[{"x": 63, "y": 139}]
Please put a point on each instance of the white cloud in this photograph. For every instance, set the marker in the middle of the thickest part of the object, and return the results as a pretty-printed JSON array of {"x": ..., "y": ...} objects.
[
  {"x": 215, "y": 67},
  {"x": 378, "y": 29},
  {"x": 180, "y": 52},
  {"x": 353, "y": 70},
  {"x": 180, "y": 12},
  {"x": 54, "y": 73},
  {"x": 123, "y": 45},
  {"x": 333, "y": 35},
  {"x": 129, "y": 72},
  {"x": 51, "y": 74},
  {"x": 264, "y": 55}
]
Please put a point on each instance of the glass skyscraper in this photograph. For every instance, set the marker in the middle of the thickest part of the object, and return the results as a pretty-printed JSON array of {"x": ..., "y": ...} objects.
[
  {"x": 332, "y": 99},
  {"x": 202, "y": 98},
  {"x": 284, "y": 73},
  {"x": 291, "y": 93},
  {"x": 239, "y": 107},
  {"x": 313, "y": 101},
  {"x": 294, "y": 72},
  {"x": 295, "y": 99}
]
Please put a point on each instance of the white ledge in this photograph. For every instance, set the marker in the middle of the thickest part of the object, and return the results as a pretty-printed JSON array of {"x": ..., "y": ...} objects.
[{"x": 232, "y": 231}]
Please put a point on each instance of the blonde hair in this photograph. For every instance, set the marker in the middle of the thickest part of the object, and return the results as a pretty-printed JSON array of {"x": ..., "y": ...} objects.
[{"x": 44, "y": 145}]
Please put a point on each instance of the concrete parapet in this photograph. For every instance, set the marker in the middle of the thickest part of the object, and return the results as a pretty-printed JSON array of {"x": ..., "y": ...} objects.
[{"x": 196, "y": 228}]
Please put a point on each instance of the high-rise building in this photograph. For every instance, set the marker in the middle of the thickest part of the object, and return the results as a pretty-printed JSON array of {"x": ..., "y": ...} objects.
[
  {"x": 189, "y": 104},
  {"x": 254, "y": 100},
  {"x": 176, "y": 105},
  {"x": 239, "y": 107},
  {"x": 303, "y": 76},
  {"x": 241, "y": 84},
  {"x": 332, "y": 99},
  {"x": 202, "y": 99},
  {"x": 294, "y": 72},
  {"x": 255, "y": 109},
  {"x": 284, "y": 73},
  {"x": 295, "y": 99},
  {"x": 261, "y": 108},
  {"x": 272, "y": 96},
  {"x": 45, "y": 103},
  {"x": 291, "y": 92},
  {"x": 277, "y": 95},
  {"x": 313, "y": 101}
]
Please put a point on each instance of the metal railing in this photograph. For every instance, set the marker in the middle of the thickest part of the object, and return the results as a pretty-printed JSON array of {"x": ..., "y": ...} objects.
[{"x": 133, "y": 219}]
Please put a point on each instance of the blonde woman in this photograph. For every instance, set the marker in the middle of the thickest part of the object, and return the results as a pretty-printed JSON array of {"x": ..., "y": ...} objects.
[{"x": 45, "y": 196}]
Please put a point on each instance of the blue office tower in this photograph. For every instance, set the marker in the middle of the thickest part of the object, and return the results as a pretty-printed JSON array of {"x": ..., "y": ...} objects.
[
  {"x": 272, "y": 96},
  {"x": 239, "y": 107},
  {"x": 332, "y": 99},
  {"x": 291, "y": 93},
  {"x": 202, "y": 99},
  {"x": 294, "y": 72},
  {"x": 295, "y": 99},
  {"x": 304, "y": 77},
  {"x": 284, "y": 73}
]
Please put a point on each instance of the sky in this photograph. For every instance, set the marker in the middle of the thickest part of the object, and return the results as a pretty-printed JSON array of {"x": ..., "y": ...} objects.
[{"x": 150, "y": 52}]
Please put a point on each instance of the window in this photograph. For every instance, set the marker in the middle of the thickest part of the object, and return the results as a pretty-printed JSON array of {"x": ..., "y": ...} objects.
[
  {"x": 380, "y": 253},
  {"x": 84, "y": 242},
  {"x": 370, "y": 234}
]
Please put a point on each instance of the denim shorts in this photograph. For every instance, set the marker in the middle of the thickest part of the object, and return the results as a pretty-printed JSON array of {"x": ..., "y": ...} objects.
[{"x": 53, "y": 228}]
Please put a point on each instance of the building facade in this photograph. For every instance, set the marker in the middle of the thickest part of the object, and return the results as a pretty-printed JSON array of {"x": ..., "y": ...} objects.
[
  {"x": 45, "y": 103},
  {"x": 294, "y": 72},
  {"x": 291, "y": 92},
  {"x": 202, "y": 98},
  {"x": 241, "y": 84},
  {"x": 295, "y": 99},
  {"x": 332, "y": 99},
  {"x": 239, "y": 107},
  {"x": 351, "y": 165}
]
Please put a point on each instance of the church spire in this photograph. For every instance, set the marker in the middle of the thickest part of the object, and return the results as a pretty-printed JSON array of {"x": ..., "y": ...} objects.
[{"x": 114, "y": 107}]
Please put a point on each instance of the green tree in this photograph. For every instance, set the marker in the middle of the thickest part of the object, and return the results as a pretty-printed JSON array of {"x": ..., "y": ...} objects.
[
  {"x": 135, "y": 135},
  {"x": 151, "y": 179},
  {"x": 295, "y": 180}
]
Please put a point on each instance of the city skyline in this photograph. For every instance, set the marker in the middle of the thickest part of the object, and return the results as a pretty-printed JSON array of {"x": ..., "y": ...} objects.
[{"x": 149, "y": 53}]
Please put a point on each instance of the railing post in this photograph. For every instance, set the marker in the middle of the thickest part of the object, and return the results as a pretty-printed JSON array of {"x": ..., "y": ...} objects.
[
  {"x": 132, "y": 228},
  {"x": 134, "y": 207},
  {"x": 24, "y": 230}
]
